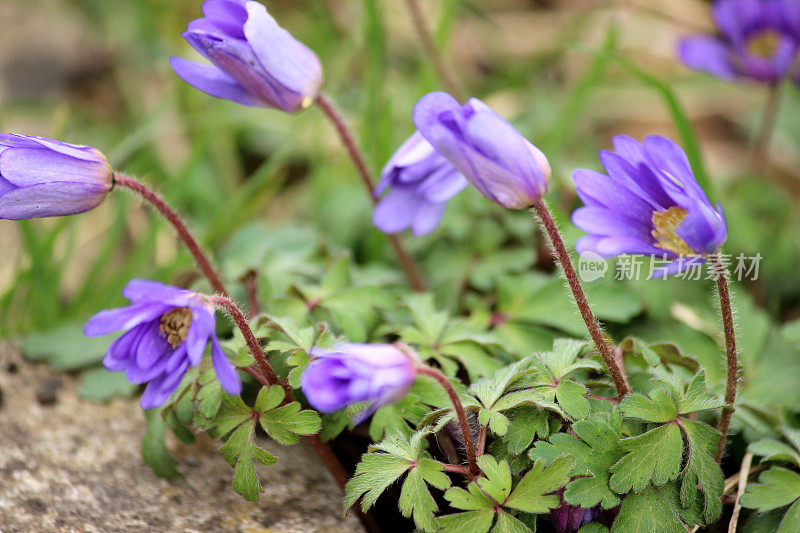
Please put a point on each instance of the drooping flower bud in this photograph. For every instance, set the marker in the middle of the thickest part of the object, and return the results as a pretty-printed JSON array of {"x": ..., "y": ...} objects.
[
  {"x": 166, "y": 329},
  {"x": 46, "y": 178},
  {"x": 421, "y": 182},
  {"x": 255, "y": 61},
  {"x": 354, "y": 373},
  {"x": 485, "y": 148}
]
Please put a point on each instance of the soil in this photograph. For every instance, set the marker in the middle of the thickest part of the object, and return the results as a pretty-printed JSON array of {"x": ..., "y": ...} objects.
[{"x": 71, "y": 465}]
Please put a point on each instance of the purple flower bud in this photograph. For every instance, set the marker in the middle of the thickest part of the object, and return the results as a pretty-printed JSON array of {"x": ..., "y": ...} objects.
[
  {"x": 166, "y": 330},
  {"x": 758, "y": 40},
  {"x": 45, "y": 178},
  {"x": 570, "y": 518},
  {"x": 485, "y": 148},
  {"x": 649, "y": 203},
  {"x": 421, "y": 182},
  {"x": 255, "y": 61},
  {"x": 353, "y": 373}
]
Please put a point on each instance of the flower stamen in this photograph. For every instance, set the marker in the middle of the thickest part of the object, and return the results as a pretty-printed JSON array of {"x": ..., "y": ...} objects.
[
  {"x": 764, "y": 44},
  {"x": 175, "y": 325},
  {"x": 665, "y": 231}
]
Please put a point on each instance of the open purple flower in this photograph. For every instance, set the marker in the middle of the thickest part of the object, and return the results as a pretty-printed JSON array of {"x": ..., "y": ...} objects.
[
  {"x": 649, "y": 203},
  {"x": 353, "y": 373},
  {"x": 759, "y": 39},
  {"x": 45, "y": 178},
  {"x": 421, "y": 182},
  {"x": 166, "y": 330},
  {"x": 255, "y": 61},
  {"x": 485, "y": 148}
]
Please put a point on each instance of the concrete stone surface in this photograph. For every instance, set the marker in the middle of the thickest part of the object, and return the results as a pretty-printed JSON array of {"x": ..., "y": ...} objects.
[{"x": 74, "y": 466}]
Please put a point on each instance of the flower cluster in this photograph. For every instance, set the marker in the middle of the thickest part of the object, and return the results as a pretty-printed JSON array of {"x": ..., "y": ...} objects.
[{"x": 166, "y": 330}]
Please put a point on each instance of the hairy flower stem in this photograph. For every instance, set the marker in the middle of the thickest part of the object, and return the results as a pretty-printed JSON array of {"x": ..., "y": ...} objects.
[
  {"x": 730, "y": 351},
  {"x": 466, "y": 433},
  {"x": 230, "y": 307},
  {"x": 759, "y": 157},
  {"x": 603, "y": 346},
  {"x": 183, "y": 232},
  {"x": 407, "y": 262},
  {"x": 428, "y": 44}
]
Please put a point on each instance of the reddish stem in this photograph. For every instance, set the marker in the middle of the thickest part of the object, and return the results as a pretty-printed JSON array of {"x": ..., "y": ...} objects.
[
  {"x": 250, "y": 281},
  {"x": 481, "y": 440},
  {"x": 730, "y": 350},
  {"x": 407, "y": 262},
  {"x": 457, "y": 469},
  {"x": 183, "y": 232},
  {"x": 460, "y": 413},
  {"x": 617, "y": 372},
  {"x": 238, "y": 317}
]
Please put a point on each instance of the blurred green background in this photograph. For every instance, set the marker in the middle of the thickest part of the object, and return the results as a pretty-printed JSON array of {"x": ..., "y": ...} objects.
[{"x": 267, "y": 191}]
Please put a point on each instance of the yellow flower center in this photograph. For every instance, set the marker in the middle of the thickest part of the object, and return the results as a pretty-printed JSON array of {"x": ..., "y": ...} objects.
[
  {"x": 764, "y": 44},
  {"x": 665, "y": 231},
  {"x": 175, "y": 325}
]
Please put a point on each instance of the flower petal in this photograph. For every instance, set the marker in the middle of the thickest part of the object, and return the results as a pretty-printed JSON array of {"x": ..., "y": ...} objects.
[
  {"x": 707, "y": 54},
  {"x": 226, "y": 373},
  {"x": 213, "y": 81},
  {"x": 50, "y": 200},
  {"x": 123, "y": 318}
]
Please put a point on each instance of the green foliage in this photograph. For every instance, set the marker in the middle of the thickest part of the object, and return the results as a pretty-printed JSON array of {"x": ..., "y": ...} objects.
[
  {"x": 776, "y": 488},
  {"x": 533, "y": 494},
  {"x": 595, "y": 449},
  {"x": 386, "y": 463}
]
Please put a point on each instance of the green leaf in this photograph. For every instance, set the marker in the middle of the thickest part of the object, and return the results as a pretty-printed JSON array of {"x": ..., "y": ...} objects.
[
  {"x": 532, "y": 493},
  {"x": 653, "y": 456},
  {"x": 791, "y": 520},
  {"x": 508, "y": 524},
  {"x": 285, "y": 424},
  {"x": 240, "y": 451},
  {"x": 595, "y": 451},
  {"x": 526, "y": 423},
  {"x": 697, "y": 396},
  {"x": 776, "y": 487},
  {"x": 497, "y": 478},
  {"x": 651, "y": 510},
  {"x": 570, "y": 396},
  {"x": 154, "y": 451},
  {"x": 209, "y": 399},
  {"x": 269, "y": 398},
  {"x": 472, "y": 521},
  {"x": 490, "y": 390},
  {"x": 100, "y": 385},
  {"x": 773, "y": 450},
  {"x": 373, "y": 475},
  {"x": 701, "y": 470},
  {"x": 659, "y": 407},
  {"x": 415, "y": 498}
]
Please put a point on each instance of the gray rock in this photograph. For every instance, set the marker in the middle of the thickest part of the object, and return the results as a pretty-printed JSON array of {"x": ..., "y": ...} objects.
[{"x": 76, "y": 466}]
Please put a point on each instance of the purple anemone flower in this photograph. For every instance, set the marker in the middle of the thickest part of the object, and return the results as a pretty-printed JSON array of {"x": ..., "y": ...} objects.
[
  {"x": 759, "y": 39},
  {"x": 648, "y": 203},
  {"x": 45, "y": 178},
  {"x": 421, "y": 182},
  {"x": 354, "y": 373},
  {"x": 485, "y": 148},
  {"x": 166, "y": 330},
  {"x": 255, "y": 61}
]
